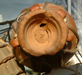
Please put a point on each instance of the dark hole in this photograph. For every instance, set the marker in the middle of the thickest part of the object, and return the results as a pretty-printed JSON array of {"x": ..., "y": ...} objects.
[
  {"x": 68, "y": 45},
  {"x": 43, "y": 24}
]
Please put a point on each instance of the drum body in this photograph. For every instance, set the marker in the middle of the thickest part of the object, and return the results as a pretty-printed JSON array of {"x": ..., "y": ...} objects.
[{"x": 46, "y": 37}]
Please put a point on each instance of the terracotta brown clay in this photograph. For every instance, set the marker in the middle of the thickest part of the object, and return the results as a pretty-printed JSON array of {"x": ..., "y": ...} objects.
[
  {"x": 35, "y": 7},
  {"x": 70, "y": 37},
  {"x": 14, "y": 42},
  {"x": 45, "y": 30},
  {"x": 47, "y": 37},
  {"x": 62, "y": 13}
]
